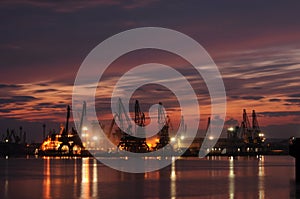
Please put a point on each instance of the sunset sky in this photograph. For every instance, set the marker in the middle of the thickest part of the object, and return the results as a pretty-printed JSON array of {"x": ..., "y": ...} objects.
[{"x": 256, "y": 46}]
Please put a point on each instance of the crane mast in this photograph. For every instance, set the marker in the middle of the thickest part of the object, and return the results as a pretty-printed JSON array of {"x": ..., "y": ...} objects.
[
  {"x": 246, "y": 132},
  {"x": 139, "y": 116},
  {"x": 139, "y": 119},
  {"x": 163, "y": 123},
  {"x": 257, "y": 135}
]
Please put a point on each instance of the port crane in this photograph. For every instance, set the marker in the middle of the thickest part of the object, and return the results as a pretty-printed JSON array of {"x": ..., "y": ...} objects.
[
  {"x": 130, "y": 142},
  {"x": 12, "y": 144},
  {"x": 11, "y": 137},
  {"x": 251, "y": 134},
  {"x": 246, "y": 137},
  {"x": 121, "y": 116}
]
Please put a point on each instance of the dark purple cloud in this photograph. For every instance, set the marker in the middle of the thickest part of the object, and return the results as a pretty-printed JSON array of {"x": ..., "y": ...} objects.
[
  {"x": 46, "y": 90},
  {"x": 274, "y": 100},
  {"x": 294, "y": 95},
  {"x": 9, "y": 86},
  {"x": 280, "y": 113},
  {"x": 247, "y": 97},
  {"x": 293, "y": 100},
  {"x": 17, "y": 99}
]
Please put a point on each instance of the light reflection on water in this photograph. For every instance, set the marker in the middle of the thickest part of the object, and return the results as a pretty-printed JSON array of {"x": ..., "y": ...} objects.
[
  {"x": 47, "y": 178},
  {"x": 95, "y": 179},
  {"x": 261, "y": 177},
  {"x": 173, "y": 179},
  {"x": 212, "y": 177},
  {"x": 231, "y": 178}
]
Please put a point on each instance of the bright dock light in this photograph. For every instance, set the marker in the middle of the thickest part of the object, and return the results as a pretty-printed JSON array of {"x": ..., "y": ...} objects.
[
  {"x": 95, "y": 138},
  {"x": 231, "y": 129}
]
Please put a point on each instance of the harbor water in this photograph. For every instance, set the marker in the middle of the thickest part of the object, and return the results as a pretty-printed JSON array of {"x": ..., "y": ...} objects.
[{"x": 210, "y": 177}]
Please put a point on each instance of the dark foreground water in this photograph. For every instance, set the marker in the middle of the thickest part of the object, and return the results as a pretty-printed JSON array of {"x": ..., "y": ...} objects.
[{"x": 213, "y": 177}]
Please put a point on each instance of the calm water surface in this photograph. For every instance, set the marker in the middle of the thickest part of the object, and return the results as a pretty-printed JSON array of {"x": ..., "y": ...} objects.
[{"x": 212, "y": 177}]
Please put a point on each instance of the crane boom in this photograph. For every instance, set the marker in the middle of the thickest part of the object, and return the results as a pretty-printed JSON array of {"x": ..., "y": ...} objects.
[
  {"x": 163, "y": 122},
  {"x": 246, "y": 131},
  {"x": 255, "y": 125},
  {"x": 122, "y": 111},
  {"x": 83, "y": 114}
]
